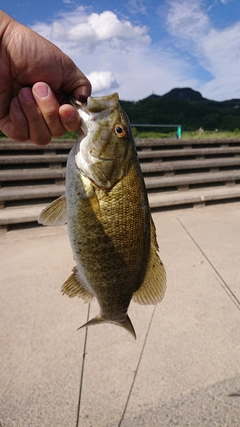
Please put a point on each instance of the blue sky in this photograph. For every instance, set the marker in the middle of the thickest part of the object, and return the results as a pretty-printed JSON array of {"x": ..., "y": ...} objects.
[{"x": 140, "y": 47}]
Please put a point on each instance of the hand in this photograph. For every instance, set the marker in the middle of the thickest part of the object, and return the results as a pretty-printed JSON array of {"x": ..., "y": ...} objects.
[{"x": 36, "y": 79}]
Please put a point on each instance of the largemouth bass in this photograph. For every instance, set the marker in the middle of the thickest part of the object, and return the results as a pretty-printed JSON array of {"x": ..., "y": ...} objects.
[{"x": 106, "y": 207}]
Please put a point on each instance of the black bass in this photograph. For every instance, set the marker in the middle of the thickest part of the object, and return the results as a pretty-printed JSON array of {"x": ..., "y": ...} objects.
[{"x": 106, "y": 207}]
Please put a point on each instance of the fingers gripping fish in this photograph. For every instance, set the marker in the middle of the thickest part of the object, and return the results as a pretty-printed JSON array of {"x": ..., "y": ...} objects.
[{"x": 110, "y": 227}]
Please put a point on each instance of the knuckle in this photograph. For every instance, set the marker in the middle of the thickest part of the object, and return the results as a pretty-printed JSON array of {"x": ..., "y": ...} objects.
[
  {"x": 40, "y": 135},
  {"x": 59, "y": 133},
  {"x": 18, "y": 137},
  {"x": 43, "y": 140}
]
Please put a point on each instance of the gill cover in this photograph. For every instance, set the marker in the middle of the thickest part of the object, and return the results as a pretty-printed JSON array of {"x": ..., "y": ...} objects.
[{"x": 104, "y": 144}]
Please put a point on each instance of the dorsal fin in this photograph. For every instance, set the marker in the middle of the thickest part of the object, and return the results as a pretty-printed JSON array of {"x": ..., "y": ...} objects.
[
  {"x": 73, "y": 287},
  {"x": 55, "y": 213},
  {"x": 153, "y": 287}
]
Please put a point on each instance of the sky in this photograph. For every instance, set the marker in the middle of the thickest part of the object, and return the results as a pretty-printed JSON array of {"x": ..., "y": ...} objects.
[{"x": 141, "y": 47}]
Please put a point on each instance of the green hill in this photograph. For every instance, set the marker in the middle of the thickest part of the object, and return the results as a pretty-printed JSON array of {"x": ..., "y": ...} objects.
[{"x": 186, "y": 107}]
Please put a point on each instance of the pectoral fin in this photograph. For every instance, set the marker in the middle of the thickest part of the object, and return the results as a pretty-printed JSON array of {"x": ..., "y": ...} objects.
[
  {"x": 73, "y": 287},
  {"x": 55, "y": 213},
  {"x": 153, "y": 287}
]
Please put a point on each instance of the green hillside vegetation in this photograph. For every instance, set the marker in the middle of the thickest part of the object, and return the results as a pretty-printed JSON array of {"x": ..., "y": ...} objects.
[{"x": 185, "y": 107}]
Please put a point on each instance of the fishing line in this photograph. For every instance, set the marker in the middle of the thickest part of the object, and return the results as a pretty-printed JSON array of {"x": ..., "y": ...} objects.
[
  {"x": 82, "y": 371},
  {"x": 226, "y": 287},
  {"x": 136, "y": 371}
]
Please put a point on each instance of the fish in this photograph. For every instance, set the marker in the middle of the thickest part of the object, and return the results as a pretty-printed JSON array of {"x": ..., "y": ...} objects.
[{"x": 106, "y": 208}]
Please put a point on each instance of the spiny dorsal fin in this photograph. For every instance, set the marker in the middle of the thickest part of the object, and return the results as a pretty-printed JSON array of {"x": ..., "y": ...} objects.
[
  {"x": 55, "y": 213},
  {"x": 126, "y": 324},
  {"x": 73, "y": 287},
  {"x": 153, "y": 287}
]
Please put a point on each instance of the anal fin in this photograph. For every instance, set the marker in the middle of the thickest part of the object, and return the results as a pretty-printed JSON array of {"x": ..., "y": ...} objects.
[{"x": 73, "y": 287}]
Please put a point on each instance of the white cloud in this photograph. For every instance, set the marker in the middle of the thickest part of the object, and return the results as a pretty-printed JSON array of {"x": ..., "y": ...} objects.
[
  {"x": 217, "y": 51},
  {"x": 93, "y": 29},
  {"x": 222, "y": 49},
  {"x": 187, "y": 19},
  {"x": 107, "y": 25},
  {"x": 222, "y": 59},
  {"x": 102, "y": 81}
]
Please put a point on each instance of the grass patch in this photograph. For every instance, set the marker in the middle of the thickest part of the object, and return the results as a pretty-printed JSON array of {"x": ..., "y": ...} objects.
[
  {"x": 211, "y": 134},
  {"x": 198, "y": 134}
]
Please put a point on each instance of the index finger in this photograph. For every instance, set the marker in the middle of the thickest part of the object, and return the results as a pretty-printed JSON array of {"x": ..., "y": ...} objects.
[{"x": 74, "y": 81}]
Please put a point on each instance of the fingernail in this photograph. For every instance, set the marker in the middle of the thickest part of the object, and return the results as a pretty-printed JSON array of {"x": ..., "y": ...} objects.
[{"x": 41, "y": 90}]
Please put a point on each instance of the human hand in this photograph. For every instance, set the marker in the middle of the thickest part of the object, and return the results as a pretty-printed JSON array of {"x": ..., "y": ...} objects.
[{"x": 36, "y": 79}]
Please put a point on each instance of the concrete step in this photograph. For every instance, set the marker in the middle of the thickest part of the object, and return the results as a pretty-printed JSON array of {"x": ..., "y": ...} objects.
[
  {"x": 10, "y": 175},
  {"x": 155, "y": 167},
  {"x": 58, "y": 144},
  {"x": 22, "y": 214},
  {"x": 193, "y": 197},
  {"x": 191, "y": 179},
  {"x": 28, "y": 192},
  {"x": 33, "y": 159},
  {"x": 181, "y": 143},
  {"x": 189, "y": 152}
]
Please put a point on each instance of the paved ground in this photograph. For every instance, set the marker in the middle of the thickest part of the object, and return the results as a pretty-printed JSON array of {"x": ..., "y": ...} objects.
[{"x": 184, "y": 368}]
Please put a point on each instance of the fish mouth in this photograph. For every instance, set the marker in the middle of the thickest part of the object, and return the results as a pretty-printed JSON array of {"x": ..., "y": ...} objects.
[
  {"x": 81, "y": 103},
  {"x": 95, "y": 105},
  {"x": 82, "y": 108},
  {"x": 89, "y": 109}
]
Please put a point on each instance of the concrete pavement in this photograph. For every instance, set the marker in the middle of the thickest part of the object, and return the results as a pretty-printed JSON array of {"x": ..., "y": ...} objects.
[{"x": 184, "y": 368}]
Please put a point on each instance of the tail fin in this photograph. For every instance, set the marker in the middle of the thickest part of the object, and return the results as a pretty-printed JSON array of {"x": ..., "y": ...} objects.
[{"x": 126, "y": 324}]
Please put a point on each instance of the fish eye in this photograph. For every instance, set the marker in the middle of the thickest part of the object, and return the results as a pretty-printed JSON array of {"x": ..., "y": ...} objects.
[{"x": 120, "y": 130}]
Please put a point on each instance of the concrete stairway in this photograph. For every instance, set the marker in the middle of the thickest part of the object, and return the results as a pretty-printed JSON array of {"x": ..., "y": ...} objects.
[{"x": 177, "y": 173}]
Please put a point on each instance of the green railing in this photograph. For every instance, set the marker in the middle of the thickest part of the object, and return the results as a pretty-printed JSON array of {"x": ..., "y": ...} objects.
[{"x": 178, "y": 133}]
